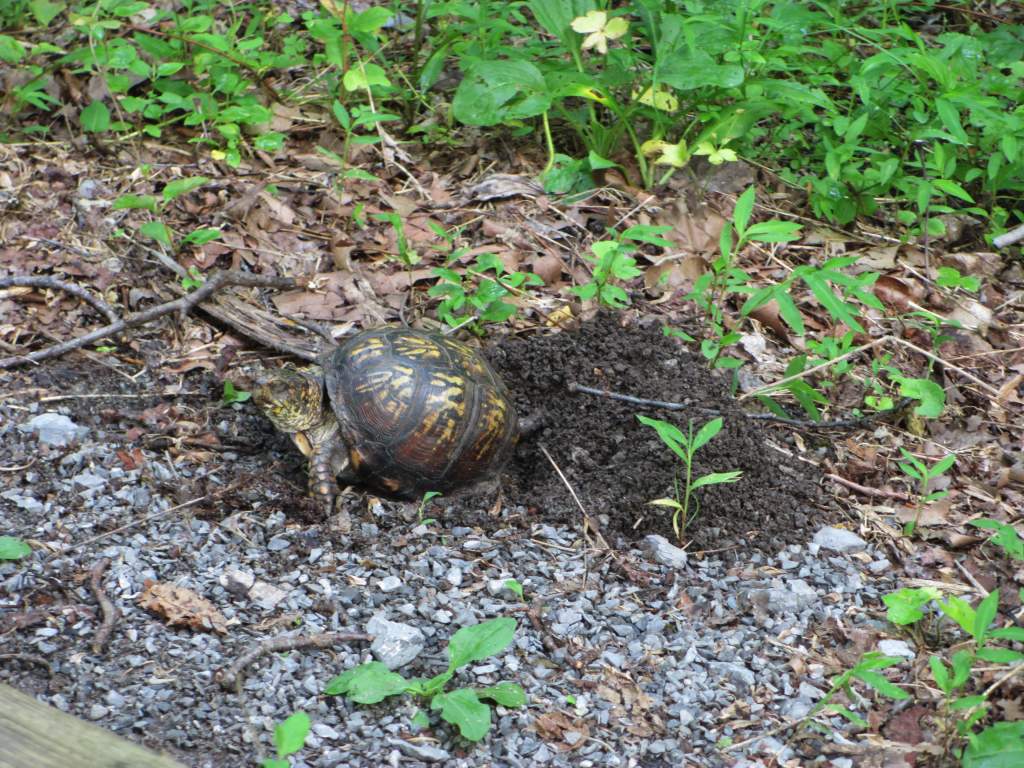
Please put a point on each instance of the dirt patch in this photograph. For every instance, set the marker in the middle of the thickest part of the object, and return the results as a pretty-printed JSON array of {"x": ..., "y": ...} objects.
[{"x": 617, "y": 465}]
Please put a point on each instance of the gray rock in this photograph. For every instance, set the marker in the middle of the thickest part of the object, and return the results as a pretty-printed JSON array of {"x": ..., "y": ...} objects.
[
  {"x": 896, "y": 648},
  {"x": 98, "y": 712},
  {"x": 278, "y": 544},
  {"x": 424, "y": 752},
  {"x": 839, "y": 540},
  {"x": 394, "y": 644},
  {"x": 389, "y": 584},
  {"x": 454, "y": 576},
  {"x": 28, "y": 503},
  {"x": 236, "y": 581},
  {"x": 662, "y": 551},
  {"x": 54, "y": 429},
  {"x": 267, "y": 596},
  {"x": 325, "y": 731}
]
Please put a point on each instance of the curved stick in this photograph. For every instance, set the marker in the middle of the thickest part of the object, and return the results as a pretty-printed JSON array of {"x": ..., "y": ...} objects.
[
  {"x": 39, "y": 281},
  {"x": 230, "y": 676},
  {"x": 181, "y": 305}
]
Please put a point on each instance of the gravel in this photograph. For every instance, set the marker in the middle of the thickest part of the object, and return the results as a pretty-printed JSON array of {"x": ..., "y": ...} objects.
[{"x": 644, "y": 674}]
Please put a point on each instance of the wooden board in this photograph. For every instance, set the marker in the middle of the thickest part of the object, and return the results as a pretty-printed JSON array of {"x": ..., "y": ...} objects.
[{"x": 34, "y": 735}]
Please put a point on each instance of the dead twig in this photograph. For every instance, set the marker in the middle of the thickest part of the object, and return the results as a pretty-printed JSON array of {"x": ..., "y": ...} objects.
[
  {"x": 182, "y": 306},
  {"x": 1009, "y": 238},
  {"x": 40, "y": 281},
  {"x": 111, "y": 613},
  {"x": 812, "y": 369},
  {"x": 864, "y": 490},
  {"x": 229, "y": 676}
]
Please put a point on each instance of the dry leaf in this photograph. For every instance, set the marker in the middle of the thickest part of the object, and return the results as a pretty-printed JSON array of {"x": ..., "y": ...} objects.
[
  {"x": 182, "y": 607},
  {"x": 554, "y": 727}
]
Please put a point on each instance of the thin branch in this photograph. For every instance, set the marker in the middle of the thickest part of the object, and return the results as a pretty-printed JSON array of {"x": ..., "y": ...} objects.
[
  {"x": 110, "y": 611},
  {"x": 230, "y": 676},
  {"x": 39, "y": 281},
  {"x": 864, "y": 490},
  {"x": 935, "y": 358},
  {"x": 181, "y": 305},
  {"x": 809, "y": 371},
  {"x": 1008, "y": 238}
]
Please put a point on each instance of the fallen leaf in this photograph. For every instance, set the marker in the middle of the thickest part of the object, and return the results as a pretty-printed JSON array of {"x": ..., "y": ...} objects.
[
  {"x": 182, "y": 607},
  {"x": 554, "y": 727}
]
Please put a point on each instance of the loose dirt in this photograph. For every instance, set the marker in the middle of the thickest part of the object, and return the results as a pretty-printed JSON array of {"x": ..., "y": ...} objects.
[{"x": 617, "y": 465}]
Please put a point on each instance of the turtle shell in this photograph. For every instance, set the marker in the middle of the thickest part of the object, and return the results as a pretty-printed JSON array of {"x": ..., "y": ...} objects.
[{"x": 418, "y": 411}]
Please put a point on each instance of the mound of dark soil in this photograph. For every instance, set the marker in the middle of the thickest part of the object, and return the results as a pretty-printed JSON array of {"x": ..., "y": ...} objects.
[{"x": 617, "y": 465}]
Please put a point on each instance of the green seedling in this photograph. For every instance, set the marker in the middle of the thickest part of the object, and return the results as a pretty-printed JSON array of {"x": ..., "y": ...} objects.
[
  {"x": 289, "y": 736},
  {"x": 427, "y": 498},
  {"x": 156, "y": 228},
  {"x": 465, "y": 708},
  {"x": 917, "y": 470},
  {"x": 866, "y": 671},
  {"x": 232, "y": 395},
  {"x": 1006, "y": 537},
  {"x": 513, "y": 585},
  {"x": 685, "y": 446},
  {"x": 13, "y": 548},
  {"x": 482, "y": 296}
]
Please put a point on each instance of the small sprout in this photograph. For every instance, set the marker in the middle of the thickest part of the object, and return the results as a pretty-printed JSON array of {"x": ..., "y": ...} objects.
[
  {"x": 427, "y": 497},
  {"x": 685, "y": 446},
  {"x": 513, "y": 585},
  {"x": 193, "y": 280},
  {"x": 917, "y": 470},
  {"x": 232, "y": 395},
  {"x": 715, "y": 155},
  {"x": 289, "y": 737}
]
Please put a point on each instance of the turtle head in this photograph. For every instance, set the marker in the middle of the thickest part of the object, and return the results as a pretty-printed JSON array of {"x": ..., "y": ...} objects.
[{"x": 292, "y": 399}]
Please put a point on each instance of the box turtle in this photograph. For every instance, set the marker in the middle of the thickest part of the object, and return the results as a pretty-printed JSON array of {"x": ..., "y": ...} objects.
[{"x": 399, "y": 410}]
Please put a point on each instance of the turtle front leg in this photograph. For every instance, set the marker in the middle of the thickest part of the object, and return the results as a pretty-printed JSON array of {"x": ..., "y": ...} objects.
[{"x": 322, "y": 485}]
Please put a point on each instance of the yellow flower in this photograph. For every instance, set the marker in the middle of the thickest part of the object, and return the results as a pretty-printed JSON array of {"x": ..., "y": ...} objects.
[
  {"x": 715, "y": 155},
  {"x": 599, "y": 29}
]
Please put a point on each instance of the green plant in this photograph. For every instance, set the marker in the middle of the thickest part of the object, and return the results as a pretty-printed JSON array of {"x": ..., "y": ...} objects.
[
  {"x": 685, "y": 446},
  {"x": 917, "y": 470},
  {"x": 1006, "y": 537},
  {"x": 612, "y": 260},
  {"x": 465, "y": 708},
  {"x": 427, "y": 497},
  {"x": 514, "y": 586},
  {"x": 232, "y": 395},
  {"x": 289, "y": 736},
  {"x": 13, "y": 548},
  {"x": 712, "y": 289},
  {"x": 962, "y": 710},
  {"x": 866, "y": 671},
  {"x": 481, "y": 296},
  {"x": 156, "y": 229}
]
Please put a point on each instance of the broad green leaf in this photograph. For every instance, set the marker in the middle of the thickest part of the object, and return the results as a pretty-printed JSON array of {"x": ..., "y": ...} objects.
[
  {"x": 13, "y": 548},
  {"x": 363, "y": 75},
  {"x": 367, "y": 684},
  {"x": 1001, "y": 745},
  {"x": 696, "y": 69},
  {"x": 743, "y": 210},
  {"x": 369, "y": 21},
  {"x": 953, "y": 189},
  {"x": 479, "y": 641},
  {"x": 506, "y": 694},
  {"x": 931, "y": 396},
  {"x": 95, "y": 118},
  {"x": 1000, "y": 655},
  {"x": 904, "y": 606},
  {"x": 463, "y": 709},
  {"x": 144, "y": 202},
  {"x": 959, "y": 611},
  {"x": 290, "y": 735},
  {"x": 494, "y": 92},
  {"x": 706, "y": 433},
  {"x": 670, "y": 434},
  {"x": 158, "y": 231},
  {"x": 985, "y": 614},
  {"x": 963, "y": 661},
  {"x": 11, "y": 50},
  {"x": 940, "y": 673},
  {"x": 179, "y": 187},
  {"x": 881, "y": 684},
  {"x": 716, "y": 478},
  {"x": 45, "y": 11}
]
